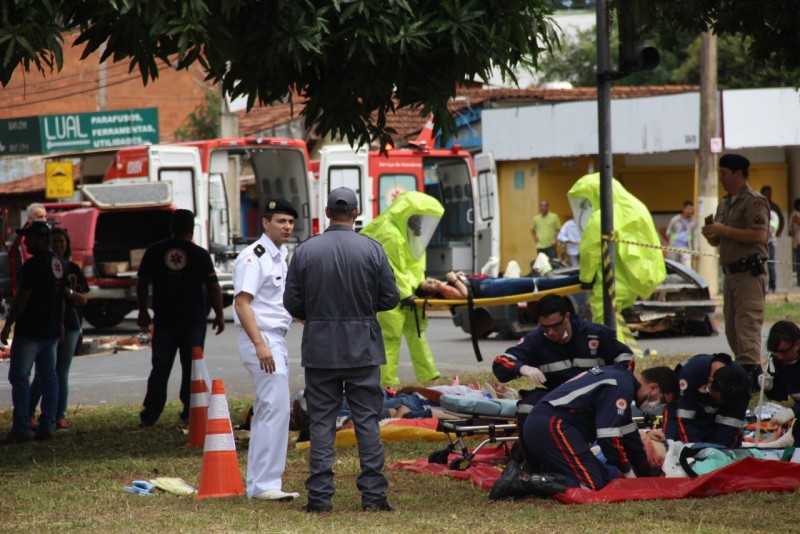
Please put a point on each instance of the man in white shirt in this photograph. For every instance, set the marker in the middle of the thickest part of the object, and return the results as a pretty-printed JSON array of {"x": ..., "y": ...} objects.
[{"x": 570, "y": 237}]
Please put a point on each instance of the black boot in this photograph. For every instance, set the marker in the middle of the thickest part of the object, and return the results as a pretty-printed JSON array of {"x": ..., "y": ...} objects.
[
  {"x": 506, "y": 486},
  {"x": 543, "y": 485},
  {"x": 516, "y": 481}
]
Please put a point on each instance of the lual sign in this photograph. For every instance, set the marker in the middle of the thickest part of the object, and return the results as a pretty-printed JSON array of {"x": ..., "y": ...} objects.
[{"x": 47, "y": 134}]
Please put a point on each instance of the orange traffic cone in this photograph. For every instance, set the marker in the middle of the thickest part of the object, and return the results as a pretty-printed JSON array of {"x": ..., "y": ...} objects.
[
  {"x": 220, "y": 475},
  {"x": 197, "y": 358},
  {"x": 198, "y": 406}
]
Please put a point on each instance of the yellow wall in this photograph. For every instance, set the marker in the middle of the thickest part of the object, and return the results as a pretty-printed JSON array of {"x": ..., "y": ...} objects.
[
  {"x": 776, "y": 176},
  {"x": 662, "y": 189},
  {"x": 548, "y": 179},
  {"x": 518, "y": 205}
]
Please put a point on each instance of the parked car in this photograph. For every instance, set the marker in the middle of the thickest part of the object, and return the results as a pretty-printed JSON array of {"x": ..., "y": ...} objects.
[{"x": 680, "y": 306}]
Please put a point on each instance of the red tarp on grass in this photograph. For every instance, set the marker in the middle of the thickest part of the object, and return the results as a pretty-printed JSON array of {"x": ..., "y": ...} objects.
[{"x": 747, "y": 474}]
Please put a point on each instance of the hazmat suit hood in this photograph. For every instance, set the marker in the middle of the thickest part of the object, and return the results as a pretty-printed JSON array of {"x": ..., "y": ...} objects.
[
  {"x": 404, "y": 230},
  {"x": 639, "y": 270}
]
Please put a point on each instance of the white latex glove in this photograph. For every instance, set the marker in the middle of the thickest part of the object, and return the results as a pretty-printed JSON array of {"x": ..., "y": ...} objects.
[
  {"x": 533, "y": 373},
  {"x": 630, "y": 474},
  {"x": 782, "y": 416},
  {"x": 766, "y": 381}
]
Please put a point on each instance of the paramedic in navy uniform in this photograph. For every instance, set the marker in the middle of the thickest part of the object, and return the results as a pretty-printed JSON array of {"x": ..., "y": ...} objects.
[
  {"x": 179, "y": 271},
  {"x": 259, "y": 278},
  {"x": 594, "y": 406},
  {"x": 781, "y": 380},
  {"x": 711, "y": 408},
  {"x": 561, "y": 348},
  {"x": 338, "y": 281}
]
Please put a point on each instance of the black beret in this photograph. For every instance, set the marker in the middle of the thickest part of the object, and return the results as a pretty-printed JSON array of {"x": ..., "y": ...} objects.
[
  {"x": 279, "y": 205},
  {"x": 734, "y": 162}
]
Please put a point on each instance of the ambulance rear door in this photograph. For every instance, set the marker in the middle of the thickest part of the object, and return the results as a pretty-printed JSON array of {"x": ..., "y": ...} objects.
[
  {"x": 344, "y": 166},
  {"x": 485, "y": 214}
]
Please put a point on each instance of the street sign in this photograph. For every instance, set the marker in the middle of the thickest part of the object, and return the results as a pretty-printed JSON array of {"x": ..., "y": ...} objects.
[
  {"x": 47, "y": 134},
  {"x": 20, "y": 136},
  {"x": 104, "y": 129},
  {"x": 59, "y": 182}
]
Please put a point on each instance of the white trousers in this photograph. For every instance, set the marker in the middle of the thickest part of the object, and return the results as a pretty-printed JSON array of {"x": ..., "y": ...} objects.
[{"x": 269, "y": 429}]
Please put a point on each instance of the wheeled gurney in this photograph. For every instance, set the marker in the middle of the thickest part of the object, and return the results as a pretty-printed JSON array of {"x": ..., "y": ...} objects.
[{"x": 494, "y": 418}]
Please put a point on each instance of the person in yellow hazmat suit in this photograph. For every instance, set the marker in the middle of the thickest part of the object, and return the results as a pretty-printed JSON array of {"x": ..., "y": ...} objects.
[
  {"x": 639, "y": 270},
  {"x": 404, "y": 231}
]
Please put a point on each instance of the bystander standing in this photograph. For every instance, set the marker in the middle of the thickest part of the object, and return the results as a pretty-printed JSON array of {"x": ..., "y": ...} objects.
[
  {"x": 180, "y": 273},
  {"x": 259, "y": 280},
  {"x": 37, "y": 316},
  {"x": 544, "y": 230},
  {"x": 337, "y": 283}
]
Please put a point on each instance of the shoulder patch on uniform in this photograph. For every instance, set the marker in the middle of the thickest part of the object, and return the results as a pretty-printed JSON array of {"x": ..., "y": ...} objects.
[
  {"x": 759, "y": 204},
  {"x": 259, "y": 250}
]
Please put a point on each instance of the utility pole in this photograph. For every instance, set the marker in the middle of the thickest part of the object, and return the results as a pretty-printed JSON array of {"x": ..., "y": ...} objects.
[
  {"x": 710, "y": 145},
  {"x": 606, "y": 164}
]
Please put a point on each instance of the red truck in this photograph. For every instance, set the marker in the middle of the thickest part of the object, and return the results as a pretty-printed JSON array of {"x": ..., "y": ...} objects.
[{"x": 109, "y": 235}]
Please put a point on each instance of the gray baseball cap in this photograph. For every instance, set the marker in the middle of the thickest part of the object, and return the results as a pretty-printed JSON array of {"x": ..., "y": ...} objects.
[{"x": 342, "y": 199}]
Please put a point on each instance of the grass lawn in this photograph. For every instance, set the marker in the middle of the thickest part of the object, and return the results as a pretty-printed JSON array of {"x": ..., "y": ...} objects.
[
  {"x": 787, "y": 311},
  {"x": 74, "y": 483}
]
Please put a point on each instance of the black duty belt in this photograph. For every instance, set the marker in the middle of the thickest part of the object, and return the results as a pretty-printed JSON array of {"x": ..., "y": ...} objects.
[{"x": 753, "y": 264}]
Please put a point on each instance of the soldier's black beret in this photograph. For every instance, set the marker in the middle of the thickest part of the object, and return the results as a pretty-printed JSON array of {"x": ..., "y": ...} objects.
[
  {"x": 280, "y": 205},
  {"x": 734, "y": 162}
]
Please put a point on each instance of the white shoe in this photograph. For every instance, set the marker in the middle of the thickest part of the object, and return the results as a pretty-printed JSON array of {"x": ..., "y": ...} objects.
[{"x": 276, "y": 495}]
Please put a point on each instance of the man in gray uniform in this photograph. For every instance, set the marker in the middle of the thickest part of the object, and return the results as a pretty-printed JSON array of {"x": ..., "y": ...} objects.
[{"x": 337, "y": 282}]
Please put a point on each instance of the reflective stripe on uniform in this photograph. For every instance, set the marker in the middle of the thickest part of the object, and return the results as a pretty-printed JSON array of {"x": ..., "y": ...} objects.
[
  {"x": 625, "y": 357},
  {"x": 617, "y": 432},
  {"x": 563, "y": 365},
  {"x": 686, "y": 414},
  {"x": 729, "y": 421},
  {"x": 588, "y": 363},
  {"x": 609, "y": 432},
  {"x": 556, "y": 366},
  {"x": 572, "y": 395}
]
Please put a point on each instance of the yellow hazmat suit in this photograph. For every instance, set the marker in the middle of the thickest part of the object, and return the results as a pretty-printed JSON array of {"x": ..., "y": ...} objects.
[
  {"x": 404, "y": 231},
  {"x": 639, "y": 270}
]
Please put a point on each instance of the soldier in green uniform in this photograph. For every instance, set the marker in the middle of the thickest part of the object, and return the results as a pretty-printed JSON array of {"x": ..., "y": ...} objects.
[{"x": 740, "y": 230}]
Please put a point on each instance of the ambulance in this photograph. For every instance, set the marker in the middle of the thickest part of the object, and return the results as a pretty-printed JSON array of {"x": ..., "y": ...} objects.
[
  {"x": 468, "y": 236},
  {"x": 225, "y": 182}
]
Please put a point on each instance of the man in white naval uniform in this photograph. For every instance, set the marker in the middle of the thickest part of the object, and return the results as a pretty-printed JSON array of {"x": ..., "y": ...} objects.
[{"x": 258, "y": 283}]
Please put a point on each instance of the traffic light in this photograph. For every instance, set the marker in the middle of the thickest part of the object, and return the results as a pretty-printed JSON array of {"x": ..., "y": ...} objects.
[{"x": 634, "y": 55}]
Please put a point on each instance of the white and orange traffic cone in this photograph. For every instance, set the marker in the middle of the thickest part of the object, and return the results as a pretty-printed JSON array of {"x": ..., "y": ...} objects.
[
  {"x": 198, "y": 405},
  {"x": 220, "y": 475},
  {"x": 202, "y": 368}
]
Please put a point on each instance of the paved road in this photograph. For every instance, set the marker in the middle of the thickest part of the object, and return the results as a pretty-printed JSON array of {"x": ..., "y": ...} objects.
[{"x": 121, "y": 378}]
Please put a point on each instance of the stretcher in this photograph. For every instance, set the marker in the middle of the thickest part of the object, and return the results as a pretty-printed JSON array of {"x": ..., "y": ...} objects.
[
  {"x": 573, "y": 287},
  {"x": 559, "y": 285},
  {"x": 493, "y": 418}
]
